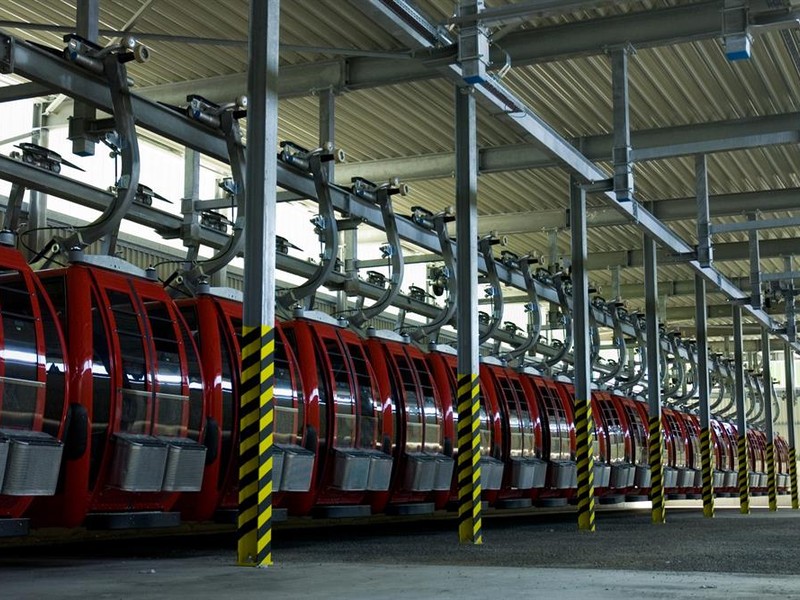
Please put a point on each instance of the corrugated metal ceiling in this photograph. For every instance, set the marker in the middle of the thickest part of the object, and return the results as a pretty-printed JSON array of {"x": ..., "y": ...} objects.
[{"x": 688, "y": 83}]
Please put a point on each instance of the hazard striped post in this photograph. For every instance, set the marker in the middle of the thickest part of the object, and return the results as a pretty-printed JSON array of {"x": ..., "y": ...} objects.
[
  {"x": 705, "y": 255},
  {"x": 772, "y": 479},
  {"x": 793, "y": 477},
  {"x": 469, "y": 451},
  {"x": 788, "y": 358},
  {"x": 469, "y": 456},
  {"x": 584, "y": 433},
  {"x": 584, "y": 429},
  {"x": 658, "y": 515},
  {"x": 744, "y": 475},
  {"x": 707, "y": 472},
  {"x": 256, "y": 432},
  {"x": 741, "y": 415},
  {"x": 655, "y": 446},
  {"x": 256, "y": 403}
]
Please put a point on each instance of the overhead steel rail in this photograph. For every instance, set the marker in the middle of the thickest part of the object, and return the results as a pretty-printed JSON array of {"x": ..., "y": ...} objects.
[
  {"x": 169, "y": 226},
  {"x": 48, "y": 68}
]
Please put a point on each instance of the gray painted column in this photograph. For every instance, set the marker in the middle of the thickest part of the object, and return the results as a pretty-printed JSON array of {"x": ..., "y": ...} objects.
[
  {"x": 623, "y": 168},
  {"x": 653, "y": 381},
  {"x": 37, "y": 207},
  {"x": 741, "y": 415},
  {"x": 256, "y": 414},
  {"x": 584, "y": 428},
  {"x": 788, "y": 358},
  {"x": 704, "y": 255},
  {"x": 772, "y": 483},
  {"x": 88, "y": 22},
  {"x": 469, "y": 470}
]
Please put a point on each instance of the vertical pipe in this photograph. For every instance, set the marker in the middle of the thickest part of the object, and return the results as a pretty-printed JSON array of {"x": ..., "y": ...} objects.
[
  {"x": 584, "y": 427},
  {"x": 741, "y": 415},
  {"x": 87, "y": 22},
  {"x": 37, "y": 210},
  {"x": 469, "y": 469},
  {"x": 256, "y": 414},
  {"x": 772, "y": 483},
  {"x": 788, "y": 355},
  {"x": 654, "y": 381},
  {"x": 701, "y": 325}
]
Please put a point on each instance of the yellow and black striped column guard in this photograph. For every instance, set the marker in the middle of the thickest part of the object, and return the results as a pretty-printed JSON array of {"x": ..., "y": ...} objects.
[
  {"x": 469, "y": 457},
  {"x": 659, "y": 514},
  {"x": 744, "y": 476},
  {"x": 583, "y": 433},
  {"x": 772, "y": 481},
  {"x": 793, "y": 477},
  {"x": 707, "y": 472},
  {"x": 256, "y": 428}
]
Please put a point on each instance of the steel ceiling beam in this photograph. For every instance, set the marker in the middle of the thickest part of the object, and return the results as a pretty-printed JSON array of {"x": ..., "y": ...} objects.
[
  {"x": 648, "y": 144},
  {"x": 23, "y": 91},
  {"x": 643, "y": 29}
]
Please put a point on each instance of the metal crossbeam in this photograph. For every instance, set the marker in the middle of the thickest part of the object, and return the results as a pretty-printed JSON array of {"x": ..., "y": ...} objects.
[
  {"x": 647, "y": 144},
  {"x": 756, "y": 225}
]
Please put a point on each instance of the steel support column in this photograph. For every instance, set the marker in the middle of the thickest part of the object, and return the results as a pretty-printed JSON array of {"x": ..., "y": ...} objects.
[
  {"x": 655, "y": 442},
  {"x": 741, "y": 414},
  {"x": 706, "y": 446},
  {"x": 469, "y": 468},
  {"x": 704, "y": 257},
  {"x": 623, "y": 168},
  {"x": 584, "y": 425},
  {"x": 36, "y": 236},
  {"x": 790, "y": 398},
  {"x": 88, "y": 22},
  {"x": 772, "y": 483},
  {"x": 256, "y": 413}
]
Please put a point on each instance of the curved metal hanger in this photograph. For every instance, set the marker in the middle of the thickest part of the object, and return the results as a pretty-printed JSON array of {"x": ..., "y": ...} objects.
[
  {"x": 224, "y": 118},
  {"x": 485, "y": 247},
  {"x": 627, "y": 382},
  {"x": 559, "y": 280},
  {"x": 532, "y": 308},
  {"x": 381, "y": 195},
  {"x": 618, "y": 340},
  {"x": 446, "y": 280},
  {"x": 110, "y": 63},
  {"x": 325, "y": 224}
]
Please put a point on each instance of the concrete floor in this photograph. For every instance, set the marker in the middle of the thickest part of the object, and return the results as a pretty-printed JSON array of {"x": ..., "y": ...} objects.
[{"x": 731, "y": 556}]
